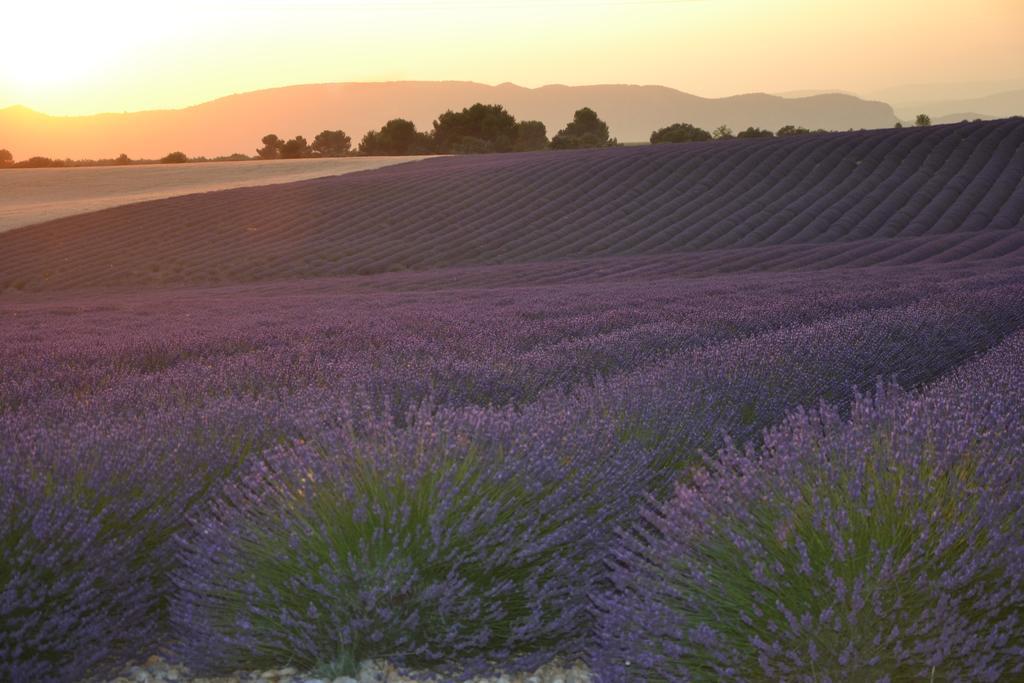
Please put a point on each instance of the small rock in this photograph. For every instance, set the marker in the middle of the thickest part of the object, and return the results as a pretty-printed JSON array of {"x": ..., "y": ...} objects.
[
  {"x": 344, "y": 679},
  {"x": 371, "y": 672},
  {"x": 579, "y": 674}
]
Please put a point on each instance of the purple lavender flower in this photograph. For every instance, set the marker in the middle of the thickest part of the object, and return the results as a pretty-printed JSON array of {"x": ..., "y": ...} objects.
[{"x": 914, "y": 505}]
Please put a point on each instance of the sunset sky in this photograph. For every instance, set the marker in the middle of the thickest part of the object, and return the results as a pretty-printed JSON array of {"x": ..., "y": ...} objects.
[{"x": 84, "y": 56}]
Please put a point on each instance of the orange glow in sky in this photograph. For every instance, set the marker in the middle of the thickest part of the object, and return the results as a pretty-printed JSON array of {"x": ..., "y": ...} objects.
[{"x": 81, "y": 57}]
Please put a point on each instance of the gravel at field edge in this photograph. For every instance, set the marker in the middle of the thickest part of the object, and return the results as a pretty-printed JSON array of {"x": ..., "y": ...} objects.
[{"x": 157, "y": 670}]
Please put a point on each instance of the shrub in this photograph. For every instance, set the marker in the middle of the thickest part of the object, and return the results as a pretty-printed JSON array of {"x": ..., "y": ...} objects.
[
  {"x": 72, "y": 600},
  {"x": 105, "y": 495},
  {"x": 468, "y": 540},
  {"x": 174, "y": 158},
  {"x": 40, "y": 162},
  {"x": 397, "y": 137},
  {"x": 271, "y": 148},
  {"x": 332, "y": 143},
  {"x": 680, "y": 132},
  {"x": 786, "y": 131},
  {"x": 753, "y": 132},
  {"x": 470, "y": 145},
  {"x": 723, "y": 132},
  {"x": 475, "y": 129},
  {"x": 885, "y": 547},
  {"x": 531, "y": 136},
  {"x": 585, "y": 130},
  {"x": 296, "y": 148}
]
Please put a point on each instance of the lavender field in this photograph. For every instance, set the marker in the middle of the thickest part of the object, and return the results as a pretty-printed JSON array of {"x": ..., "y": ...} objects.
[
  {"x": 864, "y": 198},
  {"x": 730, "y": 411}
]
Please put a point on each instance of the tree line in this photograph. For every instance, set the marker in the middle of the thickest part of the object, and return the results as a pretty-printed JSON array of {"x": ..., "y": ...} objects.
[
  {"x": 479, "y": 129},
  {"x": 7, "y": 160},
  {"x": 685, "y": 132},
  {"x": 485, "y": 128}
]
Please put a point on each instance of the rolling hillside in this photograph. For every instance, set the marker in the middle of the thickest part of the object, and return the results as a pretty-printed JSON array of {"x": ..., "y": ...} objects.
[
  {"x": 237, "y": 122},
  {"x": 943, "y": 193}
]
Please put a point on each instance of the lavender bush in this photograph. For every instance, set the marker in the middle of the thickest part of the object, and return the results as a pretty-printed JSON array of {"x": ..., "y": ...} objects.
[
  {"x": 71, "y": 602},
  {"x": 466, "y": 542},
  {"x": 887, "y": 546}
]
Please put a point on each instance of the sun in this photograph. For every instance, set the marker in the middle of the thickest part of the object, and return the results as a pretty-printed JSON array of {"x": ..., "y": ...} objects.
[
  {"x": 50, "y": 43},
  {"x": 44, "y": 70}
]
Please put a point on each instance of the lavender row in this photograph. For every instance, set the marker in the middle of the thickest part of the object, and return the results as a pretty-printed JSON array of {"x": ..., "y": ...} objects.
[
  {"x": 687, "y": 403},
  {"x": 484, "y": 347},
  {"x": 884, "y": 546}
]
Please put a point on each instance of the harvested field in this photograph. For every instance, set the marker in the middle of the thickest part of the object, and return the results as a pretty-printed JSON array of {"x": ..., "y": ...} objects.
[{"x": 33, "y": 195}]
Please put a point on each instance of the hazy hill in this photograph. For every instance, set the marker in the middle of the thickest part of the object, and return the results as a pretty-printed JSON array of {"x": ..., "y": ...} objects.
[
  {"x": 906, "y": 95},
  {"x": 237, "y": 122},
  {"x": 813, "y": 92},
  {"x": 932, "y": 194},
  {"x": 962, "y": 116},
  {"x": 999, "y": 105}
]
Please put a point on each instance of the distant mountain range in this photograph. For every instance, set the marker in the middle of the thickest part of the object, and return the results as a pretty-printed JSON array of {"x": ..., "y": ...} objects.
[
  {"x": 999, "y": 105},
  {"x": 901, "y": 96},
  {"x": 237, "y": 122}
]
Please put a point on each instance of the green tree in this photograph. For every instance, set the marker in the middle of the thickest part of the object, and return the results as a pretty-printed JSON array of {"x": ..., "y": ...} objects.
[
  {"x": 585, "y": 130},
  {"x": 899, "y": 124},
  {"x": 531, "y": 136},
  {"x": 40, "y": 162},
  {"x": 753, "y": 132},
  {"x": 271, "y": 148},
  {"x": 397, "y": 137},
  {"x": 174, "y": 158},
  {"x": 332, "y": 143},
  {"x": 479, "y": 128},
  {"x": 786, "y": 131},
  {"x": 923, "y": 120},
  {"x": 296, "y": 148},
  {"x": 6, "y": 158},
  {"x": 679, "y": 132},
  {"x": 723, "y": 132}
]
